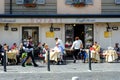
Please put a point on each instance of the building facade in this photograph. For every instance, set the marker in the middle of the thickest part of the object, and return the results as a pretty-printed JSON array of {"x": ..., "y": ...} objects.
[{"x": 91, "y": 20}]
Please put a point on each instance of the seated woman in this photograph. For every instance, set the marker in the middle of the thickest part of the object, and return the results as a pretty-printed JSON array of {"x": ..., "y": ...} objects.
[
  {"x": 14, "y": 49},
  {"x": 21, "y": 51},
  {"x": 12, "y": 54},
  {"x": 95, "y": 49}
]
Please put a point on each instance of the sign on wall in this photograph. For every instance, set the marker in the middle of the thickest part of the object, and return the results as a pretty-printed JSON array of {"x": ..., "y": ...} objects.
[
  {"x": 50, "y": 34},
  {"x": 107, "y": 34}
]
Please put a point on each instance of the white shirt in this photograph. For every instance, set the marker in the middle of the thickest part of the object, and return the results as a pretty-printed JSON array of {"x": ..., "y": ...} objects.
[
  {"x": 61, "y": 43},
  {"x": 76, "y": 44}
]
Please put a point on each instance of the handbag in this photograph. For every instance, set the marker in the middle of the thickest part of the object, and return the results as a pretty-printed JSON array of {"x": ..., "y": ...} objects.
[{"x": 24, "y": 55}]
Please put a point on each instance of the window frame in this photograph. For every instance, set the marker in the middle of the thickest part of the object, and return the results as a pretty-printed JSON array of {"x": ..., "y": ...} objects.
[
  {"x": 70, "y": 2},
  {"x": 116, "y": 2}
]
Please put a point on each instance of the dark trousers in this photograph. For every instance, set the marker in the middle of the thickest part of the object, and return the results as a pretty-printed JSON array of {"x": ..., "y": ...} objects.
[
  {"x": 83, "y": 55},
  {"x": 29, "y": 54},
  {"x": 18, "y": 58},
  {"x": 75, "y": 54}
]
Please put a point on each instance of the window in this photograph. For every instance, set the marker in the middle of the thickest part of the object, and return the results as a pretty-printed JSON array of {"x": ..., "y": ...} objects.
[
  {"x": 88, "y": 1},
  {"x": 30, "y": 1},
  {"x": 19, "y": 1},
  {"x": 69, "y": 1},
  {"x": 69, "y": 34},
  {"x": 117, "y": 1},
  {"x": 30, "y": 31},
  {"x": 74, "y": 1},
  {"x": 40, "y": 2},
  {"x": 78, "y": 1}
]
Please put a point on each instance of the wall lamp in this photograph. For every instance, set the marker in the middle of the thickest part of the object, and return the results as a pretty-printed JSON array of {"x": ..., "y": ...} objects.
[
  {"x": 51, "y": 28},
  {"x": 108, "y": 28},
  {"x": 6, "y": 27}
]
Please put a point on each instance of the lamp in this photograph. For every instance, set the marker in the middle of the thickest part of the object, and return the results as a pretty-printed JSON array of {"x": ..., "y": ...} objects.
[
  {"x": 51, "y": 28},
  {"x": 6, "y": 27},
  {"x": 108, "y": 27}
]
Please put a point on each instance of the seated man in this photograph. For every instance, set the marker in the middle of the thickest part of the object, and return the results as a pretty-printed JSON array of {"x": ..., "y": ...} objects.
[
  {"x": 117, "y": 49},
  {"x": 54, "y": 53}
]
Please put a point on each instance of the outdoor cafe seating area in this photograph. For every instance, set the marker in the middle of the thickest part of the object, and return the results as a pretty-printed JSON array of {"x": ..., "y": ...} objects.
[{"x": 109, "y": 55}]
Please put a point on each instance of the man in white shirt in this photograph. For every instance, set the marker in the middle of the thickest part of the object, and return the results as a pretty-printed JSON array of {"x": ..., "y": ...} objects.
[
  {"x": 61, "y": 46},
  {"x": 76, "y": 46},
  {"x": 60, "y": 42}
]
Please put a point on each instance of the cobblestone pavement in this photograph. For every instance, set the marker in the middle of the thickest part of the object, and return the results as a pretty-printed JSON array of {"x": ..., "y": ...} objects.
[{"x": 100, "y": 71}]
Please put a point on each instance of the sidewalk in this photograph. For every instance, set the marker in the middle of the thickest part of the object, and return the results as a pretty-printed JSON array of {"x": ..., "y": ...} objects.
[
  {"x": 70, "y": 67},
  {"x": 100, "y": 71}
]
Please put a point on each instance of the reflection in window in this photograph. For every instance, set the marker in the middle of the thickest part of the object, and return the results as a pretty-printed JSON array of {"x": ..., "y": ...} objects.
[
  {"x": 30, "y": 1},
  {"x": 68, "y": 36},
  {"x": 88, "y": 35}
]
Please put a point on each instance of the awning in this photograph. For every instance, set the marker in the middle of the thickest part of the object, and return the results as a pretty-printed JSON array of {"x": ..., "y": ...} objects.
[{"x": 59, "y": 18}]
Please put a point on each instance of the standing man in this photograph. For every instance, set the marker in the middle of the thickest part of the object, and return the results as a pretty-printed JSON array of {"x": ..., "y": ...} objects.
[
  {"x": 76, "y": 46},
  {"x": 60, "y": 42},
  {"x": 29, "y": 49}
]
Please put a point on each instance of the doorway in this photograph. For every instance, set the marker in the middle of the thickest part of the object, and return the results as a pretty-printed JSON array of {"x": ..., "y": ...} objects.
[
  {"x": 83, "y": 31},
  {"x": 30, "y": 31},
  {"x": 79, "y": 31}
]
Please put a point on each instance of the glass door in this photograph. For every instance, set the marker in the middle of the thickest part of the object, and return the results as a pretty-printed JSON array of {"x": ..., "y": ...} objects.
[
  {"x": 88, "y": 35},
  {"x": 69, "y": 34},
  {"x": 30, "y": 31}
]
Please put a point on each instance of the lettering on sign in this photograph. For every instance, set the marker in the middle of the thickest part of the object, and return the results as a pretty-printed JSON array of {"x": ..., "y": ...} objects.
[
  {"x": 14, "y": 29},
  {"x": 56, "y": 29},
  {"x": 8, "y": 20},
  {"x": 46, "y": 20},
  {"x": 85, "y": 20}
]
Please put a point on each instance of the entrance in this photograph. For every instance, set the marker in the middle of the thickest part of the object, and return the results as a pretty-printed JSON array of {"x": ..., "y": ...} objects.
[
  {"x": 30, "y": 31},
  {"x": 79, "y": 31},
  {"x": 83, "y": 31}
]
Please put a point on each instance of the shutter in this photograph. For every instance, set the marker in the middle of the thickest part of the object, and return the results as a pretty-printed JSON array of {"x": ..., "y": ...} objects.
[
  {"x": 117, "y": 1},
  {"x": 19, "y": 1},
  {"x": 88, "y": 1},
  {"x": 68, "y": 1},
  {"x": 40, "y": 2}
]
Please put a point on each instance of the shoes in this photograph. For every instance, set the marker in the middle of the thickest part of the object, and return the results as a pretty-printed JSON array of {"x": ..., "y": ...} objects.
[
  {"x": 35, "y": 65},
  {"x": 23, "y": 65},
  {"x": 74, "y": 61}
]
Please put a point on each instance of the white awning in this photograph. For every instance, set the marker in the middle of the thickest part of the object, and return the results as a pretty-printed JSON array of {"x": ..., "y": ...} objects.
[{"x": 58, "y": 20}]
